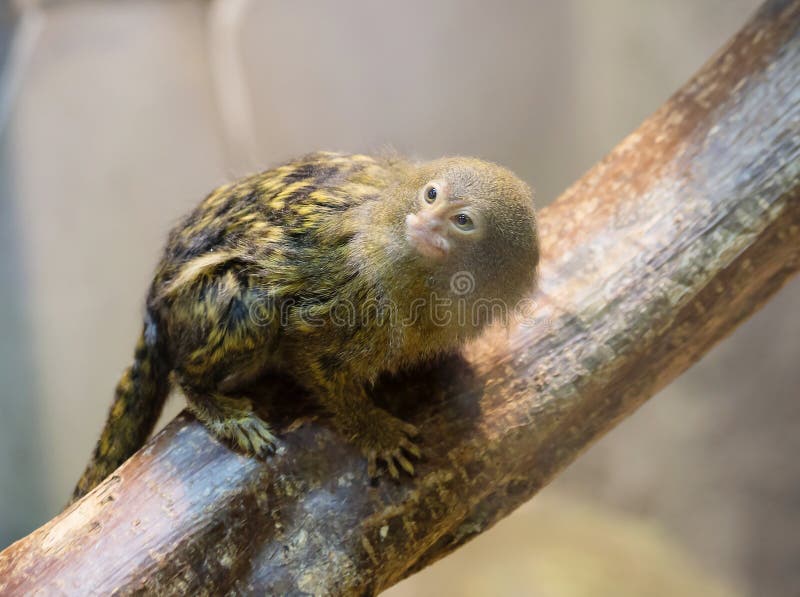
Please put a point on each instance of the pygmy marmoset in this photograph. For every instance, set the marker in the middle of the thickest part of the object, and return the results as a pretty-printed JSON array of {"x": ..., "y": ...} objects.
[{"x": 327, "y": 268}]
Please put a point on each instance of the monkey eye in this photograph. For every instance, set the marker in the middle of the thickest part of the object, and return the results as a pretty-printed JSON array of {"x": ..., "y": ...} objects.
[
  {"x": 430, "y": 194},
  {"x": 463, "y": 222}
]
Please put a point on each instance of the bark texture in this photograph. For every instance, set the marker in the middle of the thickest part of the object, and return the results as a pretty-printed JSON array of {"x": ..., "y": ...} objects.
[{"x": 658, "y": 252}]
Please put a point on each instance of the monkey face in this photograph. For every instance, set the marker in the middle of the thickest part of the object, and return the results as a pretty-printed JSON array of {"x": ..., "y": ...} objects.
[
  {"x": 441, "y": 221},
  {"x": 468, "y": 215}
]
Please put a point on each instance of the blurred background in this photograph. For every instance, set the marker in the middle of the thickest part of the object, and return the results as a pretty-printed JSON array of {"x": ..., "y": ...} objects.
[{"x": 117, "y": 117}]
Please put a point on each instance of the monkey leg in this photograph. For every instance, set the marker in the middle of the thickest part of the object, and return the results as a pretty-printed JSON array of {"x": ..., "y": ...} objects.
[
  {"x": 379, "y": 435},
  {"x": 231, "y": 419},
  {"x": 222, "y": 328}
]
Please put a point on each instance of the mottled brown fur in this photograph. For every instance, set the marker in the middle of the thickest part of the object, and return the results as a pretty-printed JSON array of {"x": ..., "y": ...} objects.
[{"x": 306, "y": 269}]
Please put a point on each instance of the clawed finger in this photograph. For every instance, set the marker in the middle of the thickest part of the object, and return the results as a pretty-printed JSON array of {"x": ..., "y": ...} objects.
[
  {"x": 410, "y": 429},
  {"x": 392, "y": 467},
  {"x": 404, "y": 462},
  {"x": 372, "y": 465},
  {"x": 410, "y": 447},
  {"x": 246, "y": 444}
]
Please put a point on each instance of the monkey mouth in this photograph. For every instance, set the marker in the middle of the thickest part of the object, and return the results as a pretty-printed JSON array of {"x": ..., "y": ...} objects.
[{"x": 425, "y": 241}]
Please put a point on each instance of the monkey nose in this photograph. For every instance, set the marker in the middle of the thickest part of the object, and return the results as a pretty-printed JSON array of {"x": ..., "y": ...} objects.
[
  {"x": 426, "y": 220},
  {"x": 425, "y": 234}
]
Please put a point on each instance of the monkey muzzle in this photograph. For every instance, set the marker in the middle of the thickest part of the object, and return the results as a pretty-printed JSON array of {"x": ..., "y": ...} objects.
[{"x": 426, "y": 232}]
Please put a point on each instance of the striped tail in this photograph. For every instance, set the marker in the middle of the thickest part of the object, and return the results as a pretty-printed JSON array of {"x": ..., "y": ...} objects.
[{"x": 138, "y": 401}]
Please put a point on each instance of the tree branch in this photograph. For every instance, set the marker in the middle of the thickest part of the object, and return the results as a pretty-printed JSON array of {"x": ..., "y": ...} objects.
[{"x": 654, "y": 255}]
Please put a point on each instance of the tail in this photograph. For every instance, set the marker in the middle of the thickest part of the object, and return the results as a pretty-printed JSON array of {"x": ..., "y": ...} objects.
[{"x": 138, "y": 401}]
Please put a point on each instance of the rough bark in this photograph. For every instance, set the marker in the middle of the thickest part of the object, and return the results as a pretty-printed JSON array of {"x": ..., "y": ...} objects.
[{"x": 658, "y": 252}]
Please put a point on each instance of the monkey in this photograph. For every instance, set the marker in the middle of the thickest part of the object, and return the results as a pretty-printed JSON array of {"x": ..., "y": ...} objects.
[{"x": 326, "y": 268}]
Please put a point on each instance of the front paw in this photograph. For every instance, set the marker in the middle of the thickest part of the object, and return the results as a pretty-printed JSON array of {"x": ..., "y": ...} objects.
[{"x": 383, "y": 437}]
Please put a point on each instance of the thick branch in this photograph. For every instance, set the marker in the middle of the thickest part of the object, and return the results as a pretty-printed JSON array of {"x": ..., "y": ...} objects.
[{"x": 655, "y": 255}]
